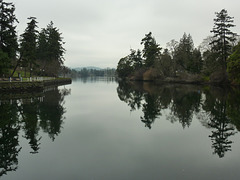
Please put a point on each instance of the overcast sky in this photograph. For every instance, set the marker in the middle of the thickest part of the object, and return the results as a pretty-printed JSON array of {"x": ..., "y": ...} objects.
[{"x": 100, "y": 32}]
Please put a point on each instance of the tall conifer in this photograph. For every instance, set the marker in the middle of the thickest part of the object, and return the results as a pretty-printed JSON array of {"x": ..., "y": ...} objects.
[
  {"x": 223, "y": 37},
  {"x": 8, "y": 35}
]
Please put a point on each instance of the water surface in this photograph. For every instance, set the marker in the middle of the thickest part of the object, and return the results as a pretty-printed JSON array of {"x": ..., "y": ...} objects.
[{"x": 100, "y": 129}]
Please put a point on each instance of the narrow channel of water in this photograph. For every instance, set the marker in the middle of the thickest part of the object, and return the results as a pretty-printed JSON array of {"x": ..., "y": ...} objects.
[{"x": 101, "y": 129}]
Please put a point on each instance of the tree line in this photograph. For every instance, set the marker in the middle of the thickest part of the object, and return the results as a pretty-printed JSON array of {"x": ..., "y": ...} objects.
[
  {"x": 84, "y": 72},
  {"x": 218, "y": 54},
  {"x": 39, "y": 52}
]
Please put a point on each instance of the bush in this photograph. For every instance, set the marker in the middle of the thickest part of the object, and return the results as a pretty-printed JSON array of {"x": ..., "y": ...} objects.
[{"x": 233, "y": 65}]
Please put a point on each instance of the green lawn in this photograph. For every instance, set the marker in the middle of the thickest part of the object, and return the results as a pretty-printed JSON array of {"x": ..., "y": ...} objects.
[{"x": 21, "y": 72}]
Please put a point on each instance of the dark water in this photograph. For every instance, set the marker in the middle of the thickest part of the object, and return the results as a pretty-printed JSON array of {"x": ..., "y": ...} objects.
[{"x": 99, "y": 129}]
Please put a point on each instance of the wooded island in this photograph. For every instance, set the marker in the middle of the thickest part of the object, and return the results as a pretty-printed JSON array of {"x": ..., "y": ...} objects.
[{"x": 216, "y": 60}]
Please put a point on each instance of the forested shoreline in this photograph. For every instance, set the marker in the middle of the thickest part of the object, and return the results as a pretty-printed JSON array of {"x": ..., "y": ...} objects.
[
  {"x": 34, "y": 52},
  {"x": 216, "y": 60},
  {"x": 41, "y": 53}
]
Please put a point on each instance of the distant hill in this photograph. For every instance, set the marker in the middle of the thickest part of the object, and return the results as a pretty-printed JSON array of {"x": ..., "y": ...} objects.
[{"x": 88, "y": 68}]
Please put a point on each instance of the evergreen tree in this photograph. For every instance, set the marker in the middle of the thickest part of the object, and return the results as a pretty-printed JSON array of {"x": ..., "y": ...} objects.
[
  {"x": 8, "y": 37},
  {"x": 28, "y": 44},
  {"x": 42, "y": 48},
  {"x": 50, "y": 50},
  {"x": 223, "y": 37},
  {"x": 136, "y": 58},
  {"x": 184, "y": 52},
  {"x": 55, "y": 42},
  {"x": 4, "y": 63},
  {"x": 186, "y": 57},
  {"x": 151, "y": 49}
]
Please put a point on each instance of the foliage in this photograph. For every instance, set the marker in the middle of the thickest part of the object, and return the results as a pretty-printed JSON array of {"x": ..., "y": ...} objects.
[
  {"x": 50, "y": 50},
  {"x": 223, "y": 38},
  {"x": 209, "y": 62},
  {"x": 8, "y": 36},
  {"x": 28, "y": 44},
  {"x": 165, "y": 64},
  {"x": 87, "y": 72},
  {"x": 151, "y": 49},
  {"x": 55, "y": 44},
  {"x": 4, "y": 63},
  {"x": 233, "y": 64},
  {"x": 136, "y": 58},
  {"x": 125, "y": 67},
  {"x": 186, "y": 57},
  {"x": 130, "y": 64},
  {"x": 42, "y": 45},
  {"x": 182, "y": 56},
  {"x": 197, "y": 62},
  {"x": 41, "y": 53},
  {"x": 172, "y": 47}
]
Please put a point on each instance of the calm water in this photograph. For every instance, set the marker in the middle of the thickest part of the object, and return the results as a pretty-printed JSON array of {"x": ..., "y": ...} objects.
[{"x": 99, "y": 129}]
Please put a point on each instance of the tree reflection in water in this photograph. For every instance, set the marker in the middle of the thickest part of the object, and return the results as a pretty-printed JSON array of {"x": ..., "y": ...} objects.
[
  {"x": 217, "y": 105},
  {"x": 29, "y": 113},
  {"x": 9, "y": 143},
  {"x": 216, "y": 108}
]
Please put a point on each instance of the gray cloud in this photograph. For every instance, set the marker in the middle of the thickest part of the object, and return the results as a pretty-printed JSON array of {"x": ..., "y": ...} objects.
[{"x": 100, "y": 32}]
